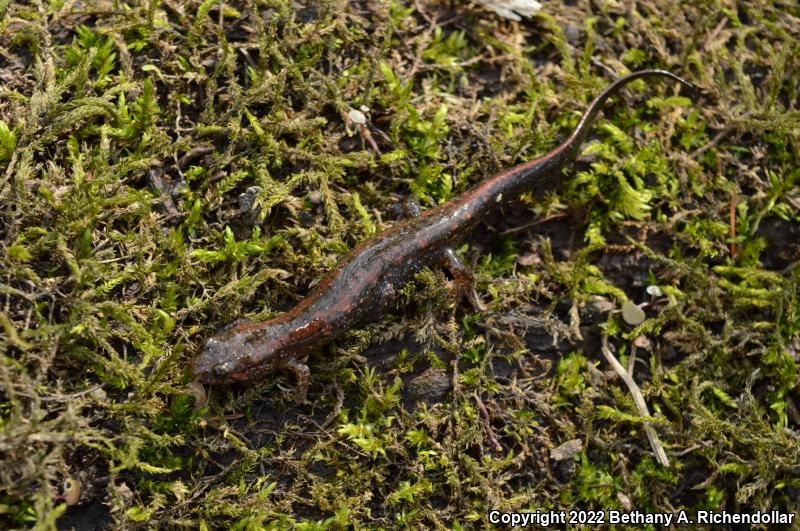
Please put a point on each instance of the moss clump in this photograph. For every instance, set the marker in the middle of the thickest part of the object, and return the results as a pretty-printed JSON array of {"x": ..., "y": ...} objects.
[{"x": 167, "y": 167}]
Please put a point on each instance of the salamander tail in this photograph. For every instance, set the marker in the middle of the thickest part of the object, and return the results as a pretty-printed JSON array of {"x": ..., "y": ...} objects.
[{"x": 582, "y": 130}]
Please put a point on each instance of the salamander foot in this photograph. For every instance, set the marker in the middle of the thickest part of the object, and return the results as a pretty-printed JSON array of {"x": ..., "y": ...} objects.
[
  {"x": 465, "y": 280},
  {"x": 303, "y": 374}
]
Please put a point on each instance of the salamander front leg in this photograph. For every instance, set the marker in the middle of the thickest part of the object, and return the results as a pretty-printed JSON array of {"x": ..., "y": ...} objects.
[
  {"x": 465, "y": 281},
  {"x": 411, "y": 208},
  {"x": 303, "y": 374},
  {"x": 406, "y": 208}
]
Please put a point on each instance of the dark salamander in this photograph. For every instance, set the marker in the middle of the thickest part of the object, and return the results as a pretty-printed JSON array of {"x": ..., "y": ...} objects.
[{"x": 363, "y": 285}]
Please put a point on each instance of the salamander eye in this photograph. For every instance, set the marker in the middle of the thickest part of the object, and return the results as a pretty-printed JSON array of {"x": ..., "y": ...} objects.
[
  {"x": 214, "y": 345},
  {"x": 223, "y": 370}
]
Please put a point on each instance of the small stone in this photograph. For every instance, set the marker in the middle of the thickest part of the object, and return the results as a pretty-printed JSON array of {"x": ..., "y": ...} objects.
[
  {"x": 431, "y": 385},
  {"x": 572, "y": 33},
  {"x": 565, "y": 471},
  {"x": 632, "y": 314},
  {"x": 98, "y": 394},
  {"x": 248, "y": 198},
  {"x": 567, "y": 450},
  {"x": 603, "y": 305},
  {"x": 251, "y": 211},
  {"x": 315, "y": 197}
]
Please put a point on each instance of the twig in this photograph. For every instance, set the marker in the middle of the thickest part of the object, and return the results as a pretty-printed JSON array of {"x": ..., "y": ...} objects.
[
  {"x": 487, "y": 423},
  {"x": 599, "y": 64},
  {"x": 732, "y": 216},
  {"x": 689, "y": 450},
  {"x": 61, "y": 398},
  {"x": 366, "y": 135},
  {"x": 714, "y": 33},
  {"x": 9, "y": 171},
  {"x": 534, "y": 223},
  {"x": 632, "y": 360},
  {"x": 421, "y": 45},
  {"x": 193, "y": 154},
  {"x": 638, "y": 399},
  {"x": 714, "y": 141}
]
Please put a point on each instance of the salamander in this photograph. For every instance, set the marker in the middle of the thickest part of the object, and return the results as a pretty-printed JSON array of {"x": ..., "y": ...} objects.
[{"x": 363, "y": 285}]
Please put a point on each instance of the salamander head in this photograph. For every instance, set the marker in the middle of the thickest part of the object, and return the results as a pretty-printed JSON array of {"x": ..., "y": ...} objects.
[{"x": 241, "y": 353}]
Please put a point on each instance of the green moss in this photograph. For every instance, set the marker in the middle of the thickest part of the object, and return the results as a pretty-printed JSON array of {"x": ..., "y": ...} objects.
[{"x": 168, "y": 167}]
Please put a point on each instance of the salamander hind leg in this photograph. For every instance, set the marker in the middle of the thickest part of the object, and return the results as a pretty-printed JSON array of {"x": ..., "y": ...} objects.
[
  {"x": 303, "y": 374},
  {"x": 465, "y": 281}
]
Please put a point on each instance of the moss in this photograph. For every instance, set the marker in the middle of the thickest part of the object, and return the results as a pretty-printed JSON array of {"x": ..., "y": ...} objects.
[{"x": 168, "y": 167}]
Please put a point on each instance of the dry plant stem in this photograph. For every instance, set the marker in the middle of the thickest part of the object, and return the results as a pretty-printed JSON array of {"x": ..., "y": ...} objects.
[
  {"x": 193, "y": 154},
  {"x": 366, "y": 135},
  {"x": 632, "y": 360},
  {"x": 733, "y": 223},
  {"x": 534, "y": 223},
  {"x": 487, "y": 422},
  {"x": 792, "y": 410},
  {"x": 712, "y": 143},
  {"x": 9, "y": 172},
  {"x": 638, "y": 399},
  {"x": 64, "y": 398}
]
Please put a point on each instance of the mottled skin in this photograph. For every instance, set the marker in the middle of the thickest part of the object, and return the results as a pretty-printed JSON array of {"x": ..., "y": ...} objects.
[{"x": 363, "y": 285}]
